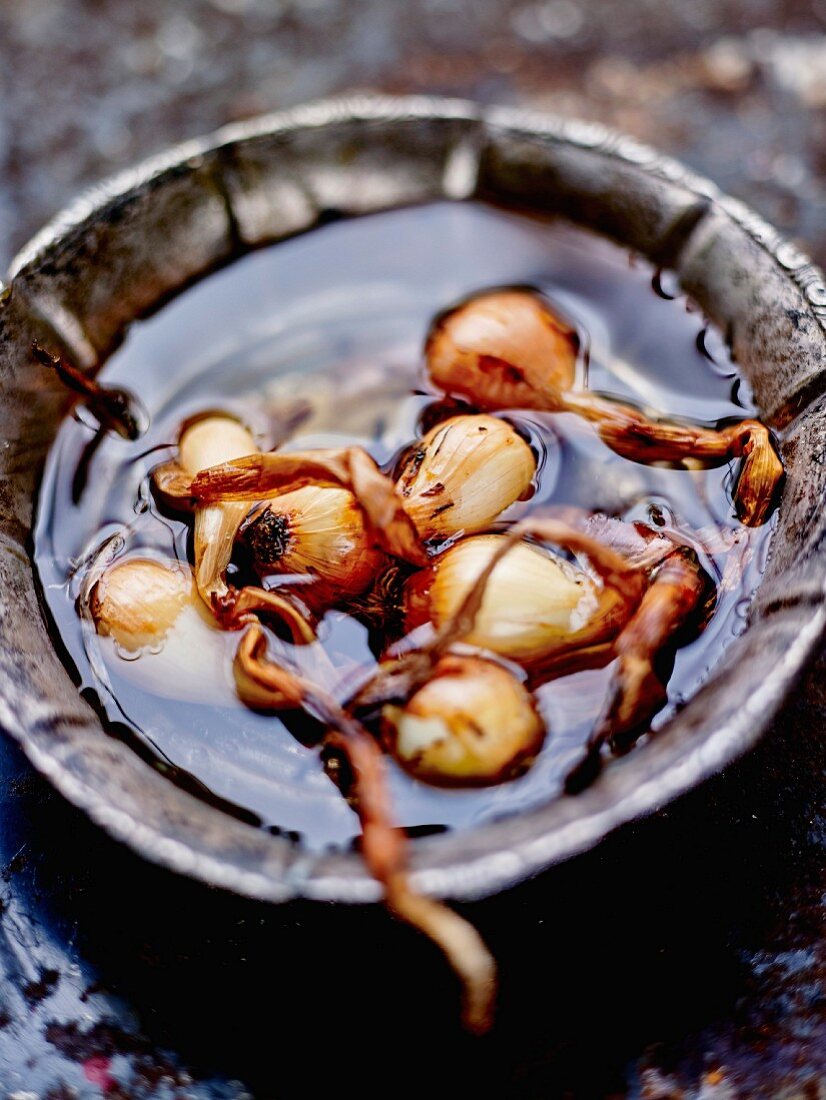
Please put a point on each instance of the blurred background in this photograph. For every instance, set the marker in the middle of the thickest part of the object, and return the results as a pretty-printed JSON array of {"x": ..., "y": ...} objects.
[
  {"x": 724, "y": 938},
  {"x": 737, "y": 88}
]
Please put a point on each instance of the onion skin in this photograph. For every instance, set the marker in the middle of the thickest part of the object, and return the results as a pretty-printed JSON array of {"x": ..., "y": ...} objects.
[
  {"x": 503, "y": 350},
  {"x": 472, "y": 724},
  {"x": 463, "y": 474},
  {"x": 206, "y": 443}
]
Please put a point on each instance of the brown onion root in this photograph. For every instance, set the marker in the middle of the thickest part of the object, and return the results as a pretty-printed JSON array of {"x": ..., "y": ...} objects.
[{"x": 262, "y": 681}]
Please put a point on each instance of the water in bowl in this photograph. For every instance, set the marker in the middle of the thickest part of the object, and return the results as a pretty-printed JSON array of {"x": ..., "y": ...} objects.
[{"x": 318, "y": 341}]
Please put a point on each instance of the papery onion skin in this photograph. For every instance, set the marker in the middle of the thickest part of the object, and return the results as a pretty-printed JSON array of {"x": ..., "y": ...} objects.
[
  {"x": 138, "y": 600},
  {"x": 463, "y": 474},
  {"x": 472, "y": 724},
  {"x": 534, "y": 602},
  {"x": 415, "y": 599},
  {"x": 503, "y": 349},
  {"x": 319, "y": 531},
  {"x": 205, "y": 443}
]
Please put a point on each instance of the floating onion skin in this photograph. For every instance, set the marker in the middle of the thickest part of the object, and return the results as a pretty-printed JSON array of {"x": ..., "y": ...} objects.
[
  {"x": 508, "y": 349},
  {"x": 240, "y": 607},
  {"x": 492, "y": 608}
]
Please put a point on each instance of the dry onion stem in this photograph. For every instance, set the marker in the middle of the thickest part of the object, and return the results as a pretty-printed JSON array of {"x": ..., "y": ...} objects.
[
  {"x": 261, "y": 681},
  {"x": 633, "y": 435},
  {"x": 115, "y": 409},
  {"x": 240, "y": 607},
  {"x": 258, "y": 476},
  {"x": 663, "y": 610},
  {"x": 636, "y": 692}
]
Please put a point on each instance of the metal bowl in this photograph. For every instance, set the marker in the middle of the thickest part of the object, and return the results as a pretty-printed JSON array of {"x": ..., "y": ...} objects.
[{"x": 127, "y": 245}]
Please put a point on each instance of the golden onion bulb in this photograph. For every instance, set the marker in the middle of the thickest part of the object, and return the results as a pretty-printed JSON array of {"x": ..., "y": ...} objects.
[
  {"x": 138, "y": 600},
  {"x": 534, "y": 599},
  {"x": 151, "y": 610},
  {"x": 212, "y": 440},
  {"x": 472, "y": 723},
  {"x": 463, "y": 474},
  {"x": 208, "y": 442},
  {"x": 503, "y": 349},
  {"x": 318, "y": 531}
]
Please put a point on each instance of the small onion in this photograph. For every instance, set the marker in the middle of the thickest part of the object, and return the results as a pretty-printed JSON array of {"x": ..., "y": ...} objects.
[
  {"x": 533, "y": 602},
  {"x": 503, "y": 349},
  {"x": 151, "y": 611},
  {"x": 205, "y": 443},
  {"x": 463, "y": 474},
  {"x": 472, "y": 723},
  {"x": 138, "y": 600},
  {"x": 319, "y": 531},
  {"x": 212, "y": 440}
]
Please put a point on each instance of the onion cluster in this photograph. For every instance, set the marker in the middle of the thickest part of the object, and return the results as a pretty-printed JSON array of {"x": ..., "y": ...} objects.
[
  {"x": 328, "y": 528},
  {"x": 473, "y": 721}
]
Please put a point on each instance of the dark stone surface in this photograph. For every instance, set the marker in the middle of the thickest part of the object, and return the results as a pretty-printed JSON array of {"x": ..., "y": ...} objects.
[{"x": 676, "y": 960}]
